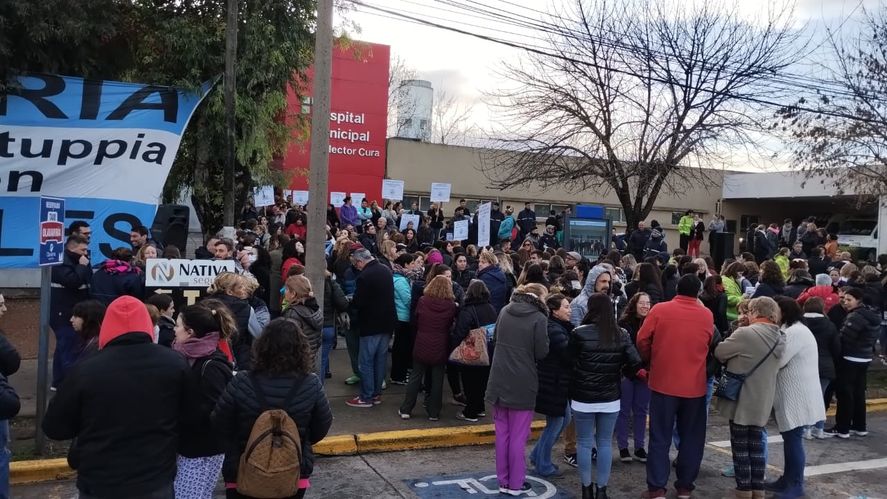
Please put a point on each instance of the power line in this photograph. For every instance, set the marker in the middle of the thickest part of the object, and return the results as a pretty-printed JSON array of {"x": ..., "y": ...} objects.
[{"x": 538, "y": 51}]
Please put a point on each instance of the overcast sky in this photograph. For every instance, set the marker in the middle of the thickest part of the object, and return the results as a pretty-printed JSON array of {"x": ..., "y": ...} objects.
[{"x": 466, "y": 67}]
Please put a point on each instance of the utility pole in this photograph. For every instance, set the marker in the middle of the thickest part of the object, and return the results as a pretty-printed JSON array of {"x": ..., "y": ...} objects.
[
  {"x": 318, "y": 177},
  {"x": 230, "y": 119}
]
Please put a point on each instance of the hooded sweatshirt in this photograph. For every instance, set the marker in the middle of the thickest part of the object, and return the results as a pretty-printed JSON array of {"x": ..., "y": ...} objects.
[
  {"x": 125, "y": 315},
  {"x": 579, "y": 306}
]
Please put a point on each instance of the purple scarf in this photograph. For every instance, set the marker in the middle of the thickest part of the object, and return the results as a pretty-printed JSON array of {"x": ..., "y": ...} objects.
[{"x": 196, "y": 348}]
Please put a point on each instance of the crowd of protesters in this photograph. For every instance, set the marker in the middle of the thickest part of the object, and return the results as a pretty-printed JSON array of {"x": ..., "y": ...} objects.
[{"x": 522, "y": 326}]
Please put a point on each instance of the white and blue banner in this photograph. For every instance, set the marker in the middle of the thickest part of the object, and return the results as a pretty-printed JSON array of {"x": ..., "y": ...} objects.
[{"x": 105, "y": 147}]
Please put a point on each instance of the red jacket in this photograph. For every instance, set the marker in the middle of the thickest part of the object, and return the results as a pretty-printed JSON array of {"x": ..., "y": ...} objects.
[
  {"x": 827, "y": 293},
  {"x": 675, "y": 341},
  {"x": 298, "y": 231}
]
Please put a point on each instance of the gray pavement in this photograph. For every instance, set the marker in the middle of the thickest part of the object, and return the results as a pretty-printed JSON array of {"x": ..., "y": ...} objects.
[{"x": 466, "y": 472}]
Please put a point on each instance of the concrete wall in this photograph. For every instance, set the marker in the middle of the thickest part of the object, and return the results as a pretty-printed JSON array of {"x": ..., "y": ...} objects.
[{"x": 419, "y": 164}]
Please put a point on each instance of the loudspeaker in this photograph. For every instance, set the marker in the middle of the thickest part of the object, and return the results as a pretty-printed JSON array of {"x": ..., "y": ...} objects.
[
  {"x": 171, "y": 225},
  {"x": 721, "y": 247}
]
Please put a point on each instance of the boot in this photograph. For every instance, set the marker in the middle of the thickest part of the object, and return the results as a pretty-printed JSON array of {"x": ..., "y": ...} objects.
[
  {"x": 588, "y": 491},
  {"x": 601, "y": 493}
]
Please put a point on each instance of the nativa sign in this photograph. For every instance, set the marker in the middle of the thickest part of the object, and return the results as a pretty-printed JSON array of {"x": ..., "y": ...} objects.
[{"x": 181, "y": 273}]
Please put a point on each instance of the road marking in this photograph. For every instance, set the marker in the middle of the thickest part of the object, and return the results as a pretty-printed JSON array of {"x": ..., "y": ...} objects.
[
  {"x": 826, "y": 469},
  {"x": 725, "y": 444}
]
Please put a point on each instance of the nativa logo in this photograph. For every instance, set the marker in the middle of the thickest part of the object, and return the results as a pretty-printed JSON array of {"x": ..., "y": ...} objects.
[{"x": 163, "y": 271}]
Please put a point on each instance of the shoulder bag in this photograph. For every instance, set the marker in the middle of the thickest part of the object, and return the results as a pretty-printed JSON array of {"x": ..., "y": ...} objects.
[{"x": 730, "y": 384}]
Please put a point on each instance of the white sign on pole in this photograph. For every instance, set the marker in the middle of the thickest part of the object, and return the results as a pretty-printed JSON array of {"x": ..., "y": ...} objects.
[
  {"x": 181, "y": 273},
  {"x": 483, "y": 225},
  {"x": 337, "y": 199},
  {"x": 406, "y": 219},
  {"x": 300, "y": 197},
  {"x": 460, "y": 230},
  {"x": 263, "y": 196},
  {"x": 392, "y": 190},
  {"x": 288, "y": 195},
  {"x": 357, "y": 197},
  {"x": 440, "y": 192}
]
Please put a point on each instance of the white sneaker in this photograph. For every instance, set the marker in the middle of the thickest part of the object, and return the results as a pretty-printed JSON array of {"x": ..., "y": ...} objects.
[
  {"x": 403, "y": 415},
  {"x": 820, "y": 434},
  {"x": 859, "y": 433},
  {"x": 808, "y": 434}
]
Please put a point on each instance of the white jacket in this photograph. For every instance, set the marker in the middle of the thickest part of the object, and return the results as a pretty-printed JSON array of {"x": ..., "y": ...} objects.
[{"x": 799, "y": 399}]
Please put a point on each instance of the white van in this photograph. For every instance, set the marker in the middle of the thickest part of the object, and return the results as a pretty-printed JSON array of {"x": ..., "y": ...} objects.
[{"x": 860, "y": 235}]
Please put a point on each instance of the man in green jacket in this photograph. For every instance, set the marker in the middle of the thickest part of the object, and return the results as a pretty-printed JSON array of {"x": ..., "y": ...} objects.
[{"x": 685, "y": 227}]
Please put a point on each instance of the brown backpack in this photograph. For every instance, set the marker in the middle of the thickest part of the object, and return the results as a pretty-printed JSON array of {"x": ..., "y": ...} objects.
[{"x": 270, "y": 465}]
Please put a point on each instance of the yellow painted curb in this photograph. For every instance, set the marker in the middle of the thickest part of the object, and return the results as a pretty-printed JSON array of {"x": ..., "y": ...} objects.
[
  {"x": 39, "y": 471},
  {"x": 336, "y": 445},
  {"x": 873, "y": 405},
  {"x": 432, "y": 438}
]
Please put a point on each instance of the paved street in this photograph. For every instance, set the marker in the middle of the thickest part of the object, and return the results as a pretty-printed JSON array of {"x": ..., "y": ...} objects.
[{"x": 836, "y": 468}]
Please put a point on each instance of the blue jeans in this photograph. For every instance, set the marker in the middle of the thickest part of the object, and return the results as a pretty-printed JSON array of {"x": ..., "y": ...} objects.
[
  {"x": 541, "y": 453},
  {"x": 67, "y": 349},
  {"x": 329, "y": 338},
  {"x": 709, "y": 391},
  {"x": 4, "y": 459},
  {"x": 373, "y": 359},
  {"x": 795, "y": 459},
  {"x": 595, "y": 429}
]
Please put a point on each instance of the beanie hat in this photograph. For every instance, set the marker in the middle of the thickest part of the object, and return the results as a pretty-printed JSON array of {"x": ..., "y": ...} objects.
[
  {"x": 125, "y": 315},
  {"x": 434, "y": 257}
]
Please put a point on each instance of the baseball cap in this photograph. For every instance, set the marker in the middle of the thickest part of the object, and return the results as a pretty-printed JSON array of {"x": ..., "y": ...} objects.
[{"x": 574, "y": 255}]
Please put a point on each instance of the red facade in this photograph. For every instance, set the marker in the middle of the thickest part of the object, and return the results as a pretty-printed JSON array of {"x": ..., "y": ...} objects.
[{"x": 358, "y": 122}]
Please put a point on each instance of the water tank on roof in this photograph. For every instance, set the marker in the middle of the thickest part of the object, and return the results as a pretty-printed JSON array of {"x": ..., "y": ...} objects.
[{"x": 414, "y": 103}]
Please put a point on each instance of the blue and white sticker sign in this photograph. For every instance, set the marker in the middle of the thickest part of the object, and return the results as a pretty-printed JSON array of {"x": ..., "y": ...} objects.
[
  {"x": 106, "y": 147},
  {"x": 52, "y": 231}
]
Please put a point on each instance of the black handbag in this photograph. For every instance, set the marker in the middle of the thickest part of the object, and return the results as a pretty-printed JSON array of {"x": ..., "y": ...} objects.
[{"x": 730, "y": 384}]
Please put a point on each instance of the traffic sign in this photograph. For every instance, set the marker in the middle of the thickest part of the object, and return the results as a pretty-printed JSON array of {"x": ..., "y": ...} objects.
[{"x": 52, "y": 231}]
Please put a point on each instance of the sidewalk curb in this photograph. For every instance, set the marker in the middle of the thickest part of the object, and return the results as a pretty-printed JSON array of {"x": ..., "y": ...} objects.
[{"x": 21, "y": 472}]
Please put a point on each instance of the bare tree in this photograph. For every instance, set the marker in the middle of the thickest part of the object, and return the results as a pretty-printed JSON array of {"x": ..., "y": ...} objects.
[
  {"x": 634, "y": 96},
  {"x": 399, "y": 73},
  {"x": 450, "y": 119},
  {"x": 838, "y": 133}
]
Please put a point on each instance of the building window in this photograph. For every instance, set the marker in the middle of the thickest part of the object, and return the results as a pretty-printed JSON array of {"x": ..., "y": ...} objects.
[
  {"x": 614, "y": 214},
  {"x": 306, "y": 105},
  {"x": 676, "y": 217},
  {"x": 746, "y": 221}
]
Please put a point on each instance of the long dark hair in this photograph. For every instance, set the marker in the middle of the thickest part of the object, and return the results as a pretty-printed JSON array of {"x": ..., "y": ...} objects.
[
  {"x": 93, "y": 313},
  {"x": 648, "y": 275},
  {"x": 601, "y": 314},
  {"x": 282, "y": 349}
]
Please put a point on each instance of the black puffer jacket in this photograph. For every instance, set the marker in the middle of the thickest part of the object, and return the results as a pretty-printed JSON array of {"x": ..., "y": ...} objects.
[
  {"x": 238, "y": 408},
  {"x": 828, "y": 343},
  {"x": 554, "y": 371},
  {"x": 243, "y": 340},
  {"x": 210, "y": 376},
  {"x": 334, "y": 302},
  {"x": 596, "y": 369},
  {"x": 859, "y": 333},
  {"x": 310, "y": 318},
  {"x": 472, "y": 315}
]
